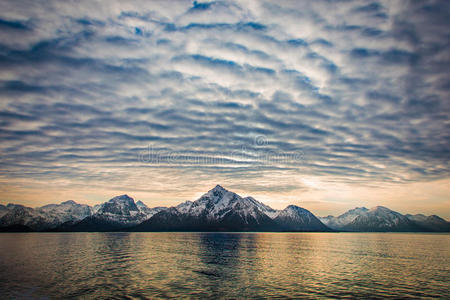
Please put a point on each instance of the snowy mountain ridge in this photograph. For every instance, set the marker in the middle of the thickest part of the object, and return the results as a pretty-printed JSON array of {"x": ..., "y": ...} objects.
[
  {"x": 216, "y": 210},
  {"x": 380, "y": 218},
  {"x": 223, "y": 210},
  {"x": 44, "y": 217},
  {"x": 218, "y": 202}
]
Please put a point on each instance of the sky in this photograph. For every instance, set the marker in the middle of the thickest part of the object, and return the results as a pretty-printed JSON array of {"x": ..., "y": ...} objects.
[{"x": 328, "y": 105}]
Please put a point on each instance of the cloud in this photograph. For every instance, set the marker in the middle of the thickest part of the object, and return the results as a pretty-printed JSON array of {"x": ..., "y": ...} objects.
[
  {"x": 13, "y": 25},
  {"x": 359, "y": 88}
]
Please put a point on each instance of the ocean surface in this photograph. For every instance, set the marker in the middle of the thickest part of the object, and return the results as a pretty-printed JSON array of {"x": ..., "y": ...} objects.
[{"x": 224, "y": 265}]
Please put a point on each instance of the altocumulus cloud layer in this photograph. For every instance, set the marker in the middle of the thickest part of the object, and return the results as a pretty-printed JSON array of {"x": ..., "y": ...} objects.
[{"x": 256, "y": 95}]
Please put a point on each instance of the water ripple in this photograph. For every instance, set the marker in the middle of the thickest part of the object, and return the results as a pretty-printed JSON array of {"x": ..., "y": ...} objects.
[{"x": 224, "y": 265}]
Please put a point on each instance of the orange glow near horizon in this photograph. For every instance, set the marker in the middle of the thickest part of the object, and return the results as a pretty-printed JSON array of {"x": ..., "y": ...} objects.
[{"x": 317, "y": 195}]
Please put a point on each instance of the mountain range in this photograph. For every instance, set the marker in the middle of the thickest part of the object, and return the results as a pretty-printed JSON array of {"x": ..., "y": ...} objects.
[
  {"x": 382, "y": 219},
  {"x": 217, "y": 210}
]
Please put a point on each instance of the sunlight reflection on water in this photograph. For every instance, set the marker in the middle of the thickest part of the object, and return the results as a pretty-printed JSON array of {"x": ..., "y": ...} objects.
[{"x": 224, "y": 265}]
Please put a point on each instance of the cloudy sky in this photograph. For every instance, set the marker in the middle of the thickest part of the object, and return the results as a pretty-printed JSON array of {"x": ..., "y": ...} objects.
[{"x": 324, "y": 104}]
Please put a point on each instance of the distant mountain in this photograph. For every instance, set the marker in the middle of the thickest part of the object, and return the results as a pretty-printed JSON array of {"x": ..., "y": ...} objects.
[
  {"x": 19, "y": 215},
  {"x": 431, "y": 223},
  {"x": 222, "y": 210},
  {"x": 339, "y": 222},
  {"x": 383, "y": 219},
  {"x": 45, "y": 217},
  {"x": 217, "y": 210},
  {"x": 294, "y": 218},
  {"x": 56, "y": 214},
  {"x": 117, "y": 213}
]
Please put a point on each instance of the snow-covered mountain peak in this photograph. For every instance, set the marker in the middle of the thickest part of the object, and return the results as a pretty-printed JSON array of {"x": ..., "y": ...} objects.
[
  {"x": 120, "y": 205},
  {"x": 218, "y": 202},
  {"x": 294, "y": 211},
  {"x": 218, "y": 196},
  {"x": 295, "y": 208},
  {"x": 384, "y": 212},
  {"x": 219, "y": 188},
  {"x": 345, "y": 218},
  {"x": 298, "y": 218},
  {"x": 217, "y": 193},
  {"x": 351, "y": 214},
  {"x": 215, "y": 201}
]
